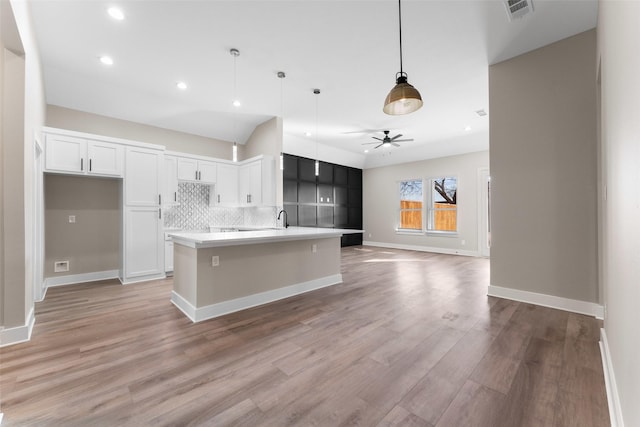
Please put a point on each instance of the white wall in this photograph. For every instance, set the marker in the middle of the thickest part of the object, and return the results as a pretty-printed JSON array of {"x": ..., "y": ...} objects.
[
  {"x": 380, "y": 201},
  {"x": 618, "y": 35}
]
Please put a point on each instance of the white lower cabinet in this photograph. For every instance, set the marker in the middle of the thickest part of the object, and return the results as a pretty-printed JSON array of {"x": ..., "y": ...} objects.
[{"x": 143, "y": 243}]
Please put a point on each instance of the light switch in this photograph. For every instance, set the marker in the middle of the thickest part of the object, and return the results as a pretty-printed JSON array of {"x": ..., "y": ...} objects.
[{"x": 72, "y": 219}]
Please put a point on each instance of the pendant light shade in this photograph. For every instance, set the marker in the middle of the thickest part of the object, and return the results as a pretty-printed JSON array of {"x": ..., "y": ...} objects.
[{"x": 403, "y": 98}]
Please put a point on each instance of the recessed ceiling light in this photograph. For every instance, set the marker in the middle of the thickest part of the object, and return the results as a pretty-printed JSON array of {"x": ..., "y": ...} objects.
[
  {"x": 106, "y": 60},
  {"x": 308, "y": 134},
  {"x": 467, "y": 128},
  {"x": 481, "y": 113},
  {"x": 366, "y": 151},
  {"x": 181, "y": 85},
  {"x": 236, "y": 103},
  {"x": 116, "y": 13}
]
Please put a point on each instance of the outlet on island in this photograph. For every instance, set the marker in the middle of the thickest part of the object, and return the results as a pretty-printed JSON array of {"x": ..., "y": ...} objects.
[{"x": 215, "y": 261}]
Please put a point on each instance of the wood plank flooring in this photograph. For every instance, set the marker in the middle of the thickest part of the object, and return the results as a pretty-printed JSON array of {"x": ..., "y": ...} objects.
[{"x": 409, "y": 339}]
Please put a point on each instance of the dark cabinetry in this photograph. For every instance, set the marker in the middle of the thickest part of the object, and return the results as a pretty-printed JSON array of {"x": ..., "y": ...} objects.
[{"x": 331, "y": 199}]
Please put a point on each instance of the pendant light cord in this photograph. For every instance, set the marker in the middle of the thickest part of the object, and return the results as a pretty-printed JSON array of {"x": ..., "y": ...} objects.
[{"x": 400, "y": 32}]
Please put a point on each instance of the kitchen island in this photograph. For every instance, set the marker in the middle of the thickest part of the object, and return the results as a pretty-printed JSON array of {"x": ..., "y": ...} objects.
[{"x": 220, "y": 273}]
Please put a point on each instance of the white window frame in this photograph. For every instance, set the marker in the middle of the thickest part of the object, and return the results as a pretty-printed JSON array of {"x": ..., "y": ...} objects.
[
  {"x": 430, "y": 210},
  {"x": 400, "y": 230}
]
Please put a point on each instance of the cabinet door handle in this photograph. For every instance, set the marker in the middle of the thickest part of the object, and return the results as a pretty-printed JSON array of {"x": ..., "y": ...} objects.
[
  {"x": 81, "y": 164},
  {"x": 196, "y": 175},
  {"x": 160, "y": 199},
  {"x": 200, "y": 175},
  {"x": 175, "y": 196},
  {"x": 218, "y": 198},
  {"x": 159, "y": 213},
  {"x": 89, "y": 165}
]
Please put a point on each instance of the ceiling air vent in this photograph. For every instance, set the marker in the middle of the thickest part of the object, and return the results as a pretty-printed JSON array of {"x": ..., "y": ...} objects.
[{"x": 518, "y": 8}]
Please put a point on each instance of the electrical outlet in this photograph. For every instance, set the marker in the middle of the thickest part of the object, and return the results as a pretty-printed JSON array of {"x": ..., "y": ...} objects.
[
  {"x": 464, "y": 242},
  {"x": 72, "y": 219},
  {"x": 60, "y": 266},
  {"x": 369, "y": 234},
  {"x": 314, "y": 248},
  {"x": 215, "y": 261}
]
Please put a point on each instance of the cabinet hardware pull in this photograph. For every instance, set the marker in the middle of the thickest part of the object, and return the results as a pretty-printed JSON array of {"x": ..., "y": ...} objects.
[
  {"x": 200, "y": 175},
  {"x": 81, "y": 164},
  {"x": 196, "y": 175},
  {"x": 160, "y": 199},
  {"x": 159, "y": 213},
  {"x": 175, "y": 196},
  {"x": 89, "y": 165},
  {"x": 218, "y": 198}
]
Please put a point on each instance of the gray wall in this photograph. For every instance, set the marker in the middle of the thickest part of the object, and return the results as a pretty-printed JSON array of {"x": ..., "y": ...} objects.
[
  {"x": 92, "y": 243},
  {"x": 618, "y": 35},
  {"x": 380, "y": 200},
  {"x": 543, "y": 170},
  {"x": 80, "y": 121},
  {"x": 267, "y": 139}
]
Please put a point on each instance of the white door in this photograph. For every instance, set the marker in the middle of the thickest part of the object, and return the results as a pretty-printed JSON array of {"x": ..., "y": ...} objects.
[
  {"x": 227, "y": 184},
  {"x": 207, "y": 172},
  {"x": 142, "y": 177},
  {"x": 104, "y": 158},
  {"x": 170, "y": 186},
  {"x": 484, "y": 212},
  {"x": 65, "y": 154},
  {"x": 187, "y": 169},
  {"x": 144, "y": 242}
]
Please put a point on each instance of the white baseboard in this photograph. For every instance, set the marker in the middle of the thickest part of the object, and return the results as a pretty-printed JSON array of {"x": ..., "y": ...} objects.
[
  {"x": 18, "y": 334},
  {"x": 421, "y": 248},
  {"x": 566, "y": 304},
  {"x": 226, "y": 307},
  {"x": 73, "y": 279},
  {"x": 615, "y": 410},
  {"x": 143, "y": 278}
]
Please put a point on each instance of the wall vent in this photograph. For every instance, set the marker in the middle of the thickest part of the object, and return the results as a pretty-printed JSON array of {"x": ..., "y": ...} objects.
[{"x": 516, "y": 9}]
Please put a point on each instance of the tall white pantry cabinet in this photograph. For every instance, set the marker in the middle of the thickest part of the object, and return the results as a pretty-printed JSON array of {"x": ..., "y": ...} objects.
[{"x": 143, "y": 251}]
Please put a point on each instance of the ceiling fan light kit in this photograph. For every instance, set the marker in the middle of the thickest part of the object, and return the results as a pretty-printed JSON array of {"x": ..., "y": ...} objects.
[{"x": 403, "y": 98}]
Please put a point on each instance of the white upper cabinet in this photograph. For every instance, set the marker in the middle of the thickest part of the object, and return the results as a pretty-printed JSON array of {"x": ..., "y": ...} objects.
[
  {"x": 257, "y": 183},
  {"x": 143, "y": 177},
  {"x": 250, "y": 184},
  {"x": 170, "y": 181},
  {"x": 71, "y": 155},
  {"x": 196, "y": 170},
  {"x": 227, "y": 185}
]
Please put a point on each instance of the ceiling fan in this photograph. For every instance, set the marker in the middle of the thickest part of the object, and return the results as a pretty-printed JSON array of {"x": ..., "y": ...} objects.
[{"x": 387, "y": 141}]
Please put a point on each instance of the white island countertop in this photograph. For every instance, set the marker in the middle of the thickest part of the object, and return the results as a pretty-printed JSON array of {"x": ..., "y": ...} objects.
[{"x": 234, "y": 238}]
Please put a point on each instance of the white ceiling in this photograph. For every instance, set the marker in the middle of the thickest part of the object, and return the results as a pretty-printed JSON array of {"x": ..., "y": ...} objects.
[{"x": 348, "y": 49}]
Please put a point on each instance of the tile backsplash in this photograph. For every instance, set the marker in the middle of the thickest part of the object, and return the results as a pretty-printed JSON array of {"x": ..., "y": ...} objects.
[{"x": 194, "y": 213}]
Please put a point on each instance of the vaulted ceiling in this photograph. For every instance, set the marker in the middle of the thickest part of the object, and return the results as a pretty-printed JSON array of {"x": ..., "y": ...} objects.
[{"x": 348, "y": 49}]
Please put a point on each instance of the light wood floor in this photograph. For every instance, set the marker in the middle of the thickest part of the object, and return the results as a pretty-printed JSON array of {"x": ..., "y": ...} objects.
[{"x": 408, "y": 339}]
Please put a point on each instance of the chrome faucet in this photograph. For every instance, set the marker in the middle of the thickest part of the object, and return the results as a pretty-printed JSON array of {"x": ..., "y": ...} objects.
[{"x": 286, "y": 221}]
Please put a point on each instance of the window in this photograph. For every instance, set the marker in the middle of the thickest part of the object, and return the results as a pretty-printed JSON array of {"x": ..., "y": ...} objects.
[
  {"x": 443, "y": 205},
  {"x": 411, "y": 200}
]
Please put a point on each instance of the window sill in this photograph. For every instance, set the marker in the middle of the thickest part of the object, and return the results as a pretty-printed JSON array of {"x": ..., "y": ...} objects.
[
  {"x": 441, "y": 233},
  {"x": 410, "y": 232}
]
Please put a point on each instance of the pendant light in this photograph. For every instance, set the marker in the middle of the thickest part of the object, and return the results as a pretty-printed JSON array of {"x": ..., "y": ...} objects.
[
  {"x": 281, "y": 76},
  {"x": 403, "y": 98},
  {"x": 317, "y": 165},
  {"x": 236, "y": 103}
]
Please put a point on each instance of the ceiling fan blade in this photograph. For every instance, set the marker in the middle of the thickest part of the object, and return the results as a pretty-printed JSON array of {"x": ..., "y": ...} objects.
[
  {"x": 363, "y": 131},
  {"x": 379, "y": 139},
  {"x": 394, "y": 144},
  {"x": 368, "y": 143},
  {"x": 403, "y": 140},
  {"x": 379, "y": 145},
  {"x": 396, "y": 137}
]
